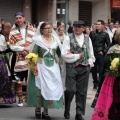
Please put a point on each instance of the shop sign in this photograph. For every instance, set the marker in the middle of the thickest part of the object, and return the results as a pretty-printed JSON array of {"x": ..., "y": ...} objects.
[{"x": 115, "y": 3}]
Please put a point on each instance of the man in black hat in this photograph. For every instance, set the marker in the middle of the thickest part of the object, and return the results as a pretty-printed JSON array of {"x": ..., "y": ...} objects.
[
  {"x": 77, "y": 51},
  {"x": 20, "y": 40}
]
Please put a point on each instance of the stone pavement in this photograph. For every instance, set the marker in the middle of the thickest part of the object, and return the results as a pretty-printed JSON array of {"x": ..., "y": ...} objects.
[{"x": 12, "y": 112}]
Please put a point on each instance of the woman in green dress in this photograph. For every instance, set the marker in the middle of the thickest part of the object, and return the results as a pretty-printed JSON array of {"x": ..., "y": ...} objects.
[{"x": 45, "y": 89}]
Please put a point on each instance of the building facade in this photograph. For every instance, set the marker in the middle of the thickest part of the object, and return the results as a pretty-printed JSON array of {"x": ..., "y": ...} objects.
[{"x": 59, "y": 10}]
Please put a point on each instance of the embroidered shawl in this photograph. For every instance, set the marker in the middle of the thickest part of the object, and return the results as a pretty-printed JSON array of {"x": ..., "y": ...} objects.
[{"x": 16, "y": 39}]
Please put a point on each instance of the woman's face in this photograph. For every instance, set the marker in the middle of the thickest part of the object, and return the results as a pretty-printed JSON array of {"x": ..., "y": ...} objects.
[
  {"x": 47, "y": 30},
  {"x": 87, "y": 30},
  {"x": 61, "y": 31}
]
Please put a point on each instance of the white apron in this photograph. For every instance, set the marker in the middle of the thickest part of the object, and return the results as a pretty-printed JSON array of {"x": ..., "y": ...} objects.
[{"x": 49, "y": 78}]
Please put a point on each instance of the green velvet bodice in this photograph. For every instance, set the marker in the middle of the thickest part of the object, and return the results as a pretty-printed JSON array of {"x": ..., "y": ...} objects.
[{"x": 49, "y": 58}]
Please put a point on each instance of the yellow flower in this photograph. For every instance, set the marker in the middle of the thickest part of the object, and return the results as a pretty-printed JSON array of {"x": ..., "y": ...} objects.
[
  {"x": 114, "y": 63},
  {"x": 32, "y": 57},
  {"x": 7, "y": 43}
]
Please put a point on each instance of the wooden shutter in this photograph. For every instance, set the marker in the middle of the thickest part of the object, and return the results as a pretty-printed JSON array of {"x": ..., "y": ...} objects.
[
  {"x": 8, "y": 8},
  {"x": 85, "y": 12}
]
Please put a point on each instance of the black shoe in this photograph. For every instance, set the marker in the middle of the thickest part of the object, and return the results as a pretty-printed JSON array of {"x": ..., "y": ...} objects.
[
  {"x": 67, "y": 115},
  {"x": 78, "y": 117},
  {"x": 46, "y": 116},
  {"x": 95, "y": 87},
  {"x": 37, "y": 114}
]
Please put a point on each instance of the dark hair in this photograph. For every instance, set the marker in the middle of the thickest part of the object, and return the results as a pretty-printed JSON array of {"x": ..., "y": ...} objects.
[
  {"x": 87, "y": 27},
  {"x": 43, "y": 26},
  {"x": 60, "y": 28},
  {"x": 102, "y": 22},
  {"x": 58, "y": 24}
]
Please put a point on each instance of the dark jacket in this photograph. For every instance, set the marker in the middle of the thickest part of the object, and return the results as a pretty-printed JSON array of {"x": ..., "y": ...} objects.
[{"x": 100, "y": 41}]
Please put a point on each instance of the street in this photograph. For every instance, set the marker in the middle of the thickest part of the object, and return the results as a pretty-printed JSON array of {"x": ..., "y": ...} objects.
[{"x": 12, "y": 112}]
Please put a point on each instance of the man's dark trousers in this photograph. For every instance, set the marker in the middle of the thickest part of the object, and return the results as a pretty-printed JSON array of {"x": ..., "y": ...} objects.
[
  {"x": 98, "y": 67},
  {"x": 76, "y": 84}
]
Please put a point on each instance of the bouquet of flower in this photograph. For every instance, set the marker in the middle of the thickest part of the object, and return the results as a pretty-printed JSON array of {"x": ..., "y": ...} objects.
[
  {"x": 32, "y": 59},
  {"x": 113, "y": 66}
]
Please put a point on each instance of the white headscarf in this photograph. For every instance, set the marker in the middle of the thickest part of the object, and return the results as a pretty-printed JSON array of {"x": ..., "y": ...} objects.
[{"x": 37, "y": 33}]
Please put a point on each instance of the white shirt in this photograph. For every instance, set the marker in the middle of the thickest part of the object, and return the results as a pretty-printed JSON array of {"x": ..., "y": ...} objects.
[
  {"x": 80, "y": 39},
  {"x": 71, "y": 58},
  {"x": 3, "y": 45},
  {"x": 23, "y": 33}
]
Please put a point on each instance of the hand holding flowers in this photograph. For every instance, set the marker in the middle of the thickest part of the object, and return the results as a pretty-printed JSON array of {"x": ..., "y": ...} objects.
[{"x": 32, "y": 59}]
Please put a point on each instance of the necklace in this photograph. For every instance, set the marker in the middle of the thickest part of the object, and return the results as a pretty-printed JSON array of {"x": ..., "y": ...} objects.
[{"x": 47, "y": 40}]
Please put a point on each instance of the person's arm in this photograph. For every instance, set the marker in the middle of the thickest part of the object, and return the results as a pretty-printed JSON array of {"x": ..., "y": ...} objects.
[
  {"x": 14, "y": 44},
  {"x": 66, "y": 53},
  {"x": 108, "y": 43},
  {"x": 91, "y": 59}
]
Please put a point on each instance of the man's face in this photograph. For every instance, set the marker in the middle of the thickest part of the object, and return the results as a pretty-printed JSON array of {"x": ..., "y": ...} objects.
[
  {"x": 78, "y": 30},
  {"x": 117, "y": 25},
  {"x": 111, "y": 25},
  {"x": 19, "y": 20},
  {"x": 99, "y": 26}
]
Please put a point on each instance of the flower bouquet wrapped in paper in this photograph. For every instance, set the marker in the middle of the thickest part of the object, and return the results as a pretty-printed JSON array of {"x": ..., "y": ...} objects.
[{"x": 32, "y": 59}]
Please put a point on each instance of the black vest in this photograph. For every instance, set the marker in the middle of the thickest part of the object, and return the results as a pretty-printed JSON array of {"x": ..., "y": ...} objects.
[{"x": 76, "y": 49}]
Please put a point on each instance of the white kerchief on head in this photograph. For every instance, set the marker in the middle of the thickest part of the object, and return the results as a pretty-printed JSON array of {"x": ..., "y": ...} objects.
[{"x": 37, "y": 33}]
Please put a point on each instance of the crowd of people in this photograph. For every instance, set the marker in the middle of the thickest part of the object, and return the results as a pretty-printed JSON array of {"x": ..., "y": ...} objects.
[{"x": 69, "y": 52}]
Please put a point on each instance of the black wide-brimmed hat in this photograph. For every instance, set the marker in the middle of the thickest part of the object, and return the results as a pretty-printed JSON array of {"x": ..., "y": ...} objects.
[{"x": 79, "y": 23}]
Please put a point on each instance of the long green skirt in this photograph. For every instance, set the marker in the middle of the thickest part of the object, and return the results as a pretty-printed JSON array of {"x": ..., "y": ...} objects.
[{"x": 35, "y": 99}]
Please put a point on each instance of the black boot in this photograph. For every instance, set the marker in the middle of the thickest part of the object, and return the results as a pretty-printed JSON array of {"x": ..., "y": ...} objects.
[
  {"x": 68, "y": 98},
  {"x": 95, "y": 86},
  {"x": 78, "y": 117}
]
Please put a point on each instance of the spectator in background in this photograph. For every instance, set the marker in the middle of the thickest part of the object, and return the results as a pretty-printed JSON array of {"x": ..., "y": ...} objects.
[
  {"x": 87, "y": 30},
  {"x": 101, "y": 43},
  {"x": 58, "y": 24},
  {"x": 106, "y": 29},
  {"x": 112, "y": 28},
  {"x": 70, "y": 29},
  {"x": 35, "y": 25},
  {"x": 93, "y": 27},
  {"x": 117, "y": 25}
]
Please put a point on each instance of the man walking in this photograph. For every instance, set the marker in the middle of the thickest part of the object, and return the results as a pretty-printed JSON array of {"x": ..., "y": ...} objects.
[
  {"x": 20, "y": 40},
  {"x": 78, "y": 54},
  {"x": 101, "y": 43}
]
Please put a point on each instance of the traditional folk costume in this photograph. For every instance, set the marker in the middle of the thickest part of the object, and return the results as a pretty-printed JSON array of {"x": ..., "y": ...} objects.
[
  {"x": 108, "y": 102},
  {"x": 7, "y": 92},
  {"x": 45, "y": 89},
  {"x": 20, "y": 38},
  {"x": 77, "y": 70}
]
